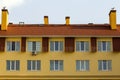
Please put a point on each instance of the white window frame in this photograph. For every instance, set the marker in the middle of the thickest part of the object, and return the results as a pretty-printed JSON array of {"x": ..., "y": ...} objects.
[
  {"x": 107, "y": 66},
  {"x": 10, "y": 43},
  {"x": 31, "y": 65},
  {"x": 101, "y": 46},
  {"x": 85, "y": 65},
  {"x": 59, "y": 46},
  {"x": 85, "y": 46},
  {"x": 54, "y": 66},
  {"x": 15, "y": 63},
  {"x": 30, "y": 46}
]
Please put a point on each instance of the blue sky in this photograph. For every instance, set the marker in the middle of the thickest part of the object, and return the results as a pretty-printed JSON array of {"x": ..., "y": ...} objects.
[{"x": 80, "y": 11}]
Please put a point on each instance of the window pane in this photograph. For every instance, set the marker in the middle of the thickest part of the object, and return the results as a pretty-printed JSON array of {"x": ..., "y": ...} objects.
[
  {"x": 109, "y": 65},
  {"x": 56, "y": 65},
  {"x": 61, "y": 46},
  {"x": 82, "y": 46},
  {"x": 108, "y": 46},
  {"x": 104, "y": 65},
  {"x": 30, "y": 46},
  {"x": 100, "y": 65},
  {"x": 28, "y": 65},
  {"x": 51, "y": 46},
  {"x": 17, "y": 65},
  {"x": 56, "y": 46},
  {"x": 77, "y": 65},
  {"x": 8, "y": 65},
  {"x": 13, "y": 46},
  {"x": 38, "y": 65},
  {"x": 12, "y": 65},
  {"x": 99, "y": 46},
  {"x": 61, "y": 65},
  {"x": 104, "y": 45},
  {"x": 86, "y": 46},
  {"x": 38, "y": 48},
  {"x": 82, "y": 65},
  {"x": 17, "y": 45},
  {"x": 77, "y": 46},
  {"x": 51, "y": 65},
  {"x": 87, "y": 65},
  {"x": 33, "y": 65},
  {"x": 8, "y": 46},
  {"x": 33, "y": 46}
]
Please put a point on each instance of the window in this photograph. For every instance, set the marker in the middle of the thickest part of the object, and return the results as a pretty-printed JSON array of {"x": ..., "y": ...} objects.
[
  {"x": 56, "y": 65},
  {"x": 104, "y": 65},
  {"x": 34, "y": 46},
  {"x": 33, "y": 65},
  {"x": 104, "y": 46},
  {"x": 13, "y": 65},
  {"x": 56, "y": 46},
  {"x": 82, "y": 46},
  {"x": 13, "y": 46},
  {"x": 82, "y": 65}
]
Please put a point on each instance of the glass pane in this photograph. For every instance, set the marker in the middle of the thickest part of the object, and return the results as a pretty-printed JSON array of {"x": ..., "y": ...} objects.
[
  {"x": 30, "y": 46},
  {"x": 87, "y": 65},
  {"x": 12, "y": 65},
  {"x": 38, "y": 48},
  {"x": 77, "y": 65},
  {"x": 104, "y": 65},
  {"x": 51, "y": 65},
  {"x": 104, "y": 45},
  {"x": 17, "y": 46},
  {"x": 56, "y": 46},
  {"x": 61, "y": 46},
  {"x": 8, "y": 46},
  {"x": 108, "y": 46},
  {"x": 86, "y": 46},
  {"x": 77, "y": 46},
  {"x": 8, "y": 65},
  {"x": 17, "y": 65},
  {"x": 61, "y": 65},
  {"x": 28, "y": 65},
  {"x": 99, "y": 45},
  {"x": 99, "y": 65},
  {"x": 56, "y": 65},
  {"x": 82, "y": 65},
  {"x": 109, "y": 65},
  {"x": 51, "y": 46},
  {"x": 13, "y": 46},
  {"x": 33, "y": 65},
  {"x": 82, "y": 46},
  {"x": 33, "y": 46},
  {"x": 38, "y": 65}
]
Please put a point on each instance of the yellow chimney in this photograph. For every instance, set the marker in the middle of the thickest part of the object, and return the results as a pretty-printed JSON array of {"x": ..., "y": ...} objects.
[
  {"x": 4, "y": 19},
  {"x": 112, "y": 19},
  {"x": 67, "y": 20},
  {"x": 46, "y": 21}
]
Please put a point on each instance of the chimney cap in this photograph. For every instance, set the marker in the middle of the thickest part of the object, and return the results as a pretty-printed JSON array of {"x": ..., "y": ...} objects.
[
  {"x": 67, "y": 17},
  {"x": 45, "y": 16},
  {"x": 112, "y": 10}
]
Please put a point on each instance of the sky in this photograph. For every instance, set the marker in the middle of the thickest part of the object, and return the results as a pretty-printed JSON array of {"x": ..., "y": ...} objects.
[{"x": 80, "y": 11}]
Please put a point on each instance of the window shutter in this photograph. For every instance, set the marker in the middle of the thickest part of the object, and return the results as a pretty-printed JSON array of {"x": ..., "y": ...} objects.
[
  {"x": 99, "y": 45},
  {"x": 17, "y": 65},
  {"x": 30, "y": 46},
  {"x": 61, "y": 46},
  {"x": 116, "y": 44},
  {"x": 52, "y": 46},
  {"x": 87, "y": 65},
  {"x": 99, "y": 65},
  {"x": 23, "y": 44},
  {"x": 38, "y": 46},
  {"x": 77, "y": 65},
  {"x": 61, "y": 65},
  {"x": 8, "y": 65},
  {"x": 28, "y": 65},
  {"x": 87, "y": 46},
  {"x": 2, "y": 44},
  {"x": 93, "y": 44},
  {"x": 69, "y": 44},
  {"x": 51, "y": 65},
  {"x": 45, "y": 44}
]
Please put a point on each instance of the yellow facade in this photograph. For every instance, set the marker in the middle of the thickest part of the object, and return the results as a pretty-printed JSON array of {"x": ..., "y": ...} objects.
[{"x": 69, "y": 59}]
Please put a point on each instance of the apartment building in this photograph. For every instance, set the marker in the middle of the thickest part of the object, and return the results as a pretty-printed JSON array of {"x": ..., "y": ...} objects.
[{"x": 59, "y": 51}]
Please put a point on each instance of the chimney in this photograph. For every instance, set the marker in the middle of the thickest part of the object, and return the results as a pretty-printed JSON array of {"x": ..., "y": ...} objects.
[
  {"x": 67, "y": 20},
  {"x": 4, "y": 19},
  {"x": 46, "y": 21},
  {"x": 112, "y": 19}
]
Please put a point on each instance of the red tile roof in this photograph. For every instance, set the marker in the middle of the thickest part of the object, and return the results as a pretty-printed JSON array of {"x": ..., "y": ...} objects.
[{"x": 37, "y": 30}]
